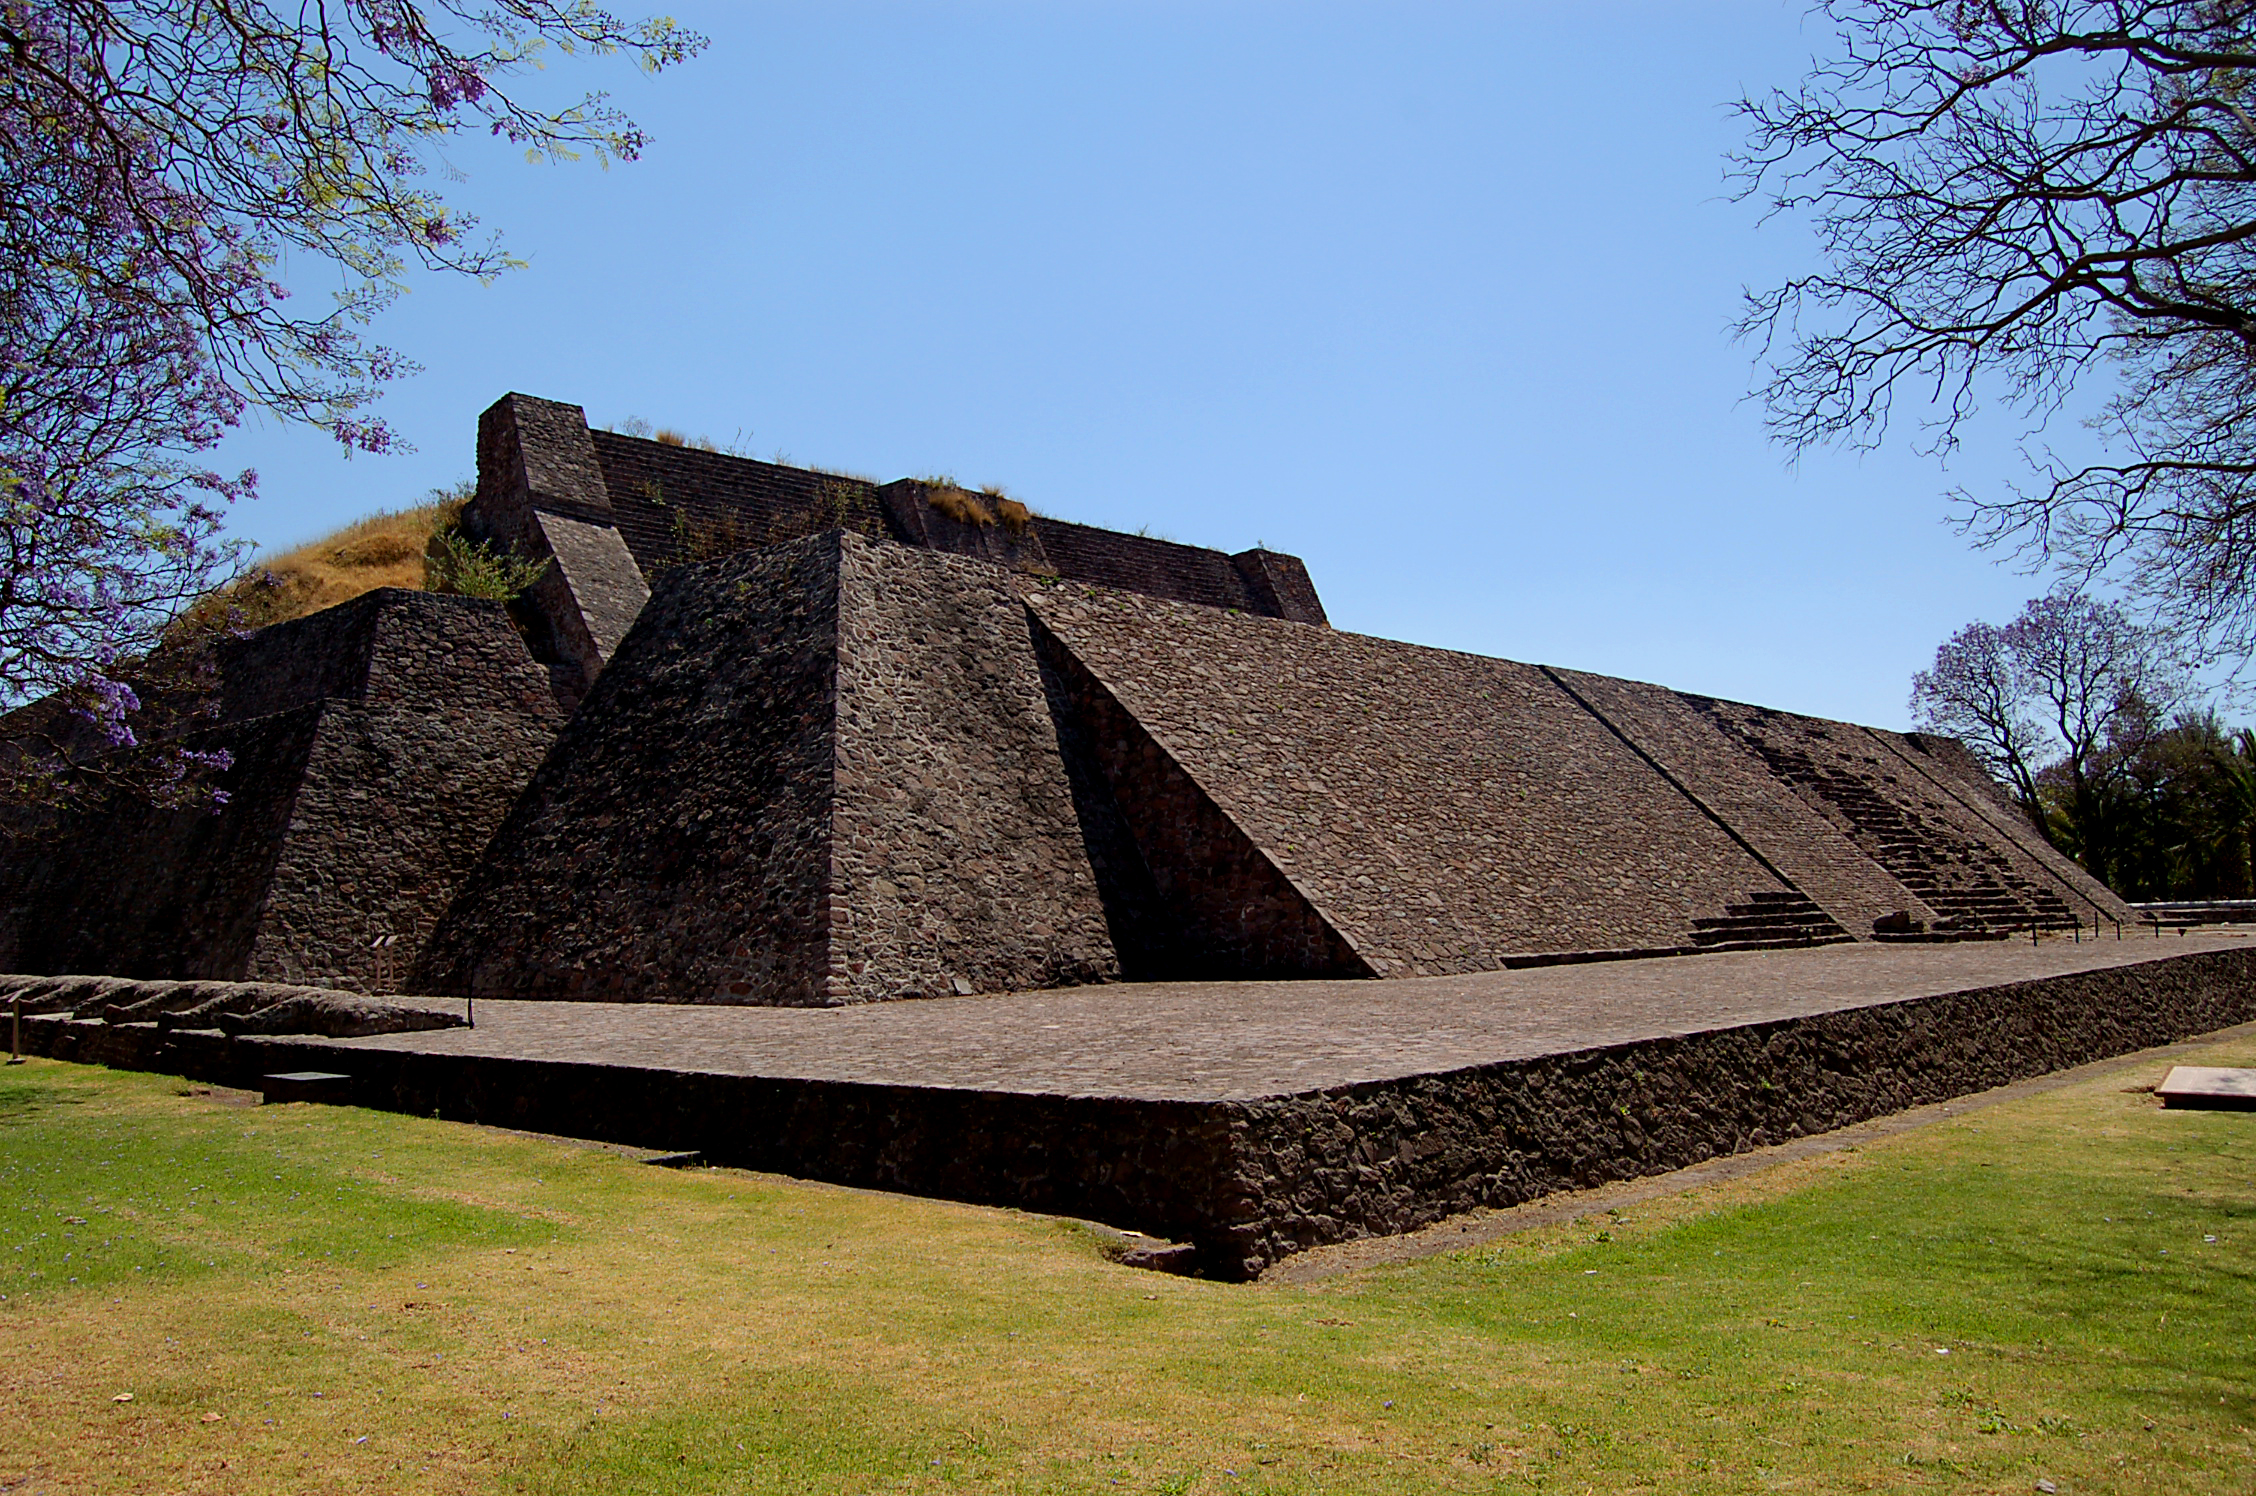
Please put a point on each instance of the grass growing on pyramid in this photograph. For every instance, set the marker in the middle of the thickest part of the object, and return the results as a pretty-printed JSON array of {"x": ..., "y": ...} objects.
[
  {"x": 385, "y": 549},
  {"x": 305, "y": 1299}
]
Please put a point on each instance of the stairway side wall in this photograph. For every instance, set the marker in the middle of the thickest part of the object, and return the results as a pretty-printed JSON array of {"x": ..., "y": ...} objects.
[{"x": 542, "y": 496}]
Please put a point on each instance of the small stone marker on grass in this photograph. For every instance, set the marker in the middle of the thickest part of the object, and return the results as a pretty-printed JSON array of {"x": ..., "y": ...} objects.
[{"x": 2210, "y": 1087}]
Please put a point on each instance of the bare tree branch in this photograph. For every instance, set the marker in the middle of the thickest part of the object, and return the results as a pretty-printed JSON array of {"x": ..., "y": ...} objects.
[{"x": 2007, "y": 196}]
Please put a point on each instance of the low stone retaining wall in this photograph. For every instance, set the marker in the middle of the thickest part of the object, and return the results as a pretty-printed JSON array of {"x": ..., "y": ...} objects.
[
  {"x": 1392, "y": 1157},
  {"x": 1250, "y": 1181}
]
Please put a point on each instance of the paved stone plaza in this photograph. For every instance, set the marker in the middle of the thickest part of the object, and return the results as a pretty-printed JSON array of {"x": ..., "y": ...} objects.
[{"x": 1217, "y": 1041}]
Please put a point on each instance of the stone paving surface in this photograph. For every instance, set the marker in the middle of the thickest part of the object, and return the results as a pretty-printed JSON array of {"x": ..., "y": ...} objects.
[{"x": 1211, "y": 1041}]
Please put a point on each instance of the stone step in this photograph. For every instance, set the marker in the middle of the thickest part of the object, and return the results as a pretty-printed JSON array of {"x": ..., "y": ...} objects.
[
  {"x": 1941, "y": 937},
  {"x": 1713, "y": 937},
  {"x": 1813, "y": 921},
  {"x": 1796, "y": 942}
]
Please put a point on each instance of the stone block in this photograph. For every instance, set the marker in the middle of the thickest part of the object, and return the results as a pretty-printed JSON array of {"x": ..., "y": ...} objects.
[{"x": 305, "y": 1085}]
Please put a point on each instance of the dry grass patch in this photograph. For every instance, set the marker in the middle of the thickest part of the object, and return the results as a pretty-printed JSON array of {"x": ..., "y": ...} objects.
[{"x": 386, "y": 549}]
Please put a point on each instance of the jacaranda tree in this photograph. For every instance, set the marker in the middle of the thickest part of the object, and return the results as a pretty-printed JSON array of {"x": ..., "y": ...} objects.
[
  {"x": 2063, "y": 703},
  {"x": 157, "y": 162}
]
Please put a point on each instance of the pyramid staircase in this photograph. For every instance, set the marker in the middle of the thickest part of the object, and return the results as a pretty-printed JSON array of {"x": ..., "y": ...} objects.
[
  {"x": 1978, "y": 894},
  {"x": 1987, "y": 898},
  {"x": 1770, "y": 920}
]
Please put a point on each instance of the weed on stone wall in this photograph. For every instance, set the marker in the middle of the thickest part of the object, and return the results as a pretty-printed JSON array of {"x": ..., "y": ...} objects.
[
  {"x": 958, "y": 503},
  {"x": 453, "y": 562}
]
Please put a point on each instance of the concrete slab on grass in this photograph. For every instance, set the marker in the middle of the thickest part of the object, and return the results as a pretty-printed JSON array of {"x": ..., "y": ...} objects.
[{"x": 2210, "y": 1087}]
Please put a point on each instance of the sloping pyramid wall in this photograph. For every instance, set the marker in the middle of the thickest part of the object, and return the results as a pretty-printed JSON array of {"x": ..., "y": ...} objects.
[
  {"x": 1440, "y": 811},
  {"x": 1193, "y": 897},
  {"x": 819, "y": 773},
  {"x": 841, "y": 770},
  {"x": 958, "y": 857},
  {"x": 146, "y": 892},
  {"x": 376, "y": 745},
  {"x": 674, "y": 844}
]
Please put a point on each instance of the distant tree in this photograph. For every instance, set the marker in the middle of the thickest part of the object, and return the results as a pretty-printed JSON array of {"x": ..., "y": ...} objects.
[
  {"x": 2220, "y": 846},
  {"x": 158, "y": 158},
  {"x": 2176, "y": 818},
  {"x": 2059, "y": 702},
  {"x": 2188, "y": 812},
  {"x": 2013, "y": 195}
]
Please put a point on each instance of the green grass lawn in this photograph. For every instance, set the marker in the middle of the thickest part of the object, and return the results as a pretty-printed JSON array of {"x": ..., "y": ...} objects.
[{"x": 306, "y": 1299}]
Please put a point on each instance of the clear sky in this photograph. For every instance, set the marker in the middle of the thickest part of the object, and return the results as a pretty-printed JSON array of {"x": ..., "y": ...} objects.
[{"x": 1434, "y": 296}]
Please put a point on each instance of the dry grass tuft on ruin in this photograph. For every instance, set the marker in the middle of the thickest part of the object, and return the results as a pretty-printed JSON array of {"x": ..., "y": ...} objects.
[
  {"x": 959, "y": 504},
  {"x": 420, "y": 549},
  {"x": 989, "y": 506},
  {"x": 386, "y": 549}
]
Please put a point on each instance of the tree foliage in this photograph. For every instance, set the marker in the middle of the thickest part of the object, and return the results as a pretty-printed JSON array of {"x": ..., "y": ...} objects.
[
  {"x": 215, "y": 136},
  {"x": 2062, "y": 688},
  {"x": 2177, "y": 816},
  {"x": 2010, "y": 196},
  {"x": 158, "y": 161},
  {"x": 2080, "y": 710}
]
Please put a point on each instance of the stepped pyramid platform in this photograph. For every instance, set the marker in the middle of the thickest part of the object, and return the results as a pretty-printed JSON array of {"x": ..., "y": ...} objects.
[
  {"x": 899, "y": 835},
  {"x": 772, "y": 736}
]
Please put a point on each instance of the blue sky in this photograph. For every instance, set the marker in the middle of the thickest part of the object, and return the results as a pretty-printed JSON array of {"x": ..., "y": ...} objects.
[{"x": 1434, "y": 296}]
